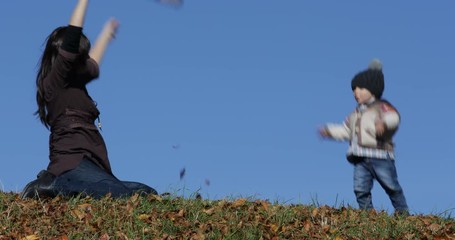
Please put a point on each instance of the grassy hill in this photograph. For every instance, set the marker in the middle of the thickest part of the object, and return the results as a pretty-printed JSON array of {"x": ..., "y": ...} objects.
[{"x": 157, "y": 217}]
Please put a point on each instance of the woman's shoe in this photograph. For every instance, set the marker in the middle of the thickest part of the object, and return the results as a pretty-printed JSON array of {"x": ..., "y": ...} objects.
[{"x": 42, "y": 187}]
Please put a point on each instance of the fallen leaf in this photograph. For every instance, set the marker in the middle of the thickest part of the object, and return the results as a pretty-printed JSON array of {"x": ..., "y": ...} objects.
[
  {"x": 239, "y": 202},
  {"x": 274, "y": 228},
  {"x": 158, "y": 198},
  {"x": 104, "y": 237},
  {"x": 122, "y": 236},
  {"x": 181, "y": 213},
  {"x": 134, "y": 198},
  {"x": 434, "y": 227},
  {"x": 31, "y": 237},
  {"x": 307, "y": 226},
  {"x": 209, "y": 211},
  {"x": 198, "y": 236},
  {"x": 265, "y": 205},
  {"x": 240, "y": 224},
  {"x": 143, "y": 216},
  {"x": 85, "y": 207},
  {"x": 315, "y": 212},
  {"x": 78, "y": 214}
]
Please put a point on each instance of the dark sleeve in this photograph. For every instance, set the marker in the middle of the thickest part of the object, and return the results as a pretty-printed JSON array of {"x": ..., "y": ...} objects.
[
  {"x": 87, "y": 72},
  {"x": 71, "y": 39},
  {"x": 59, "y": 73}
]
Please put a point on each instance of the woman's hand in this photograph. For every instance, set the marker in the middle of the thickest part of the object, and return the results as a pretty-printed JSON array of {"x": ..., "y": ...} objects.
[
  {"x": 107, "y": 34},
  {"x": 111, "y": 28}
]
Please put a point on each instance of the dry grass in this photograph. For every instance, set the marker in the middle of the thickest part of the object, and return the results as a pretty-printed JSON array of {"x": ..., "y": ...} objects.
[{"x": 155, "y": 217}]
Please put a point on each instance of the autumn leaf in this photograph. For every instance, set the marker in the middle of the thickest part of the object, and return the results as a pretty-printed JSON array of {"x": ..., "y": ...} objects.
[
  {"x": 325, "y": 228},
  {"x": 104, "y": 237},
  {"x": 132, "y": 204},
  {"x": 315, "y": 212},
  {"x": 121, "y": 236},
  {"x": 181, "y": 213},
  {"x": 307, "y": 225},
  {"x": 182, "y": 173},
  {"x": 153, "y": 197},
  {"x": 86, "y": 207},
  {"x": 134, "y": 198},
  {"x": 434, "y": 227},
  {"x": 198, "y": 236},
  {"x": 143, "y": 216},
  {"x": 274, "y": 227},
  {"x": 31, "y": 237},
  {"x": 209, "y": 211},
  {"x": 240, "y": 202},
  {"x": 207, "y": 182},
  {"x": 174, "y": 3},
  {"x": 222, "y": 204},
  {"x": 78, "y": 214},
  {"x": 265, "y": 205}
]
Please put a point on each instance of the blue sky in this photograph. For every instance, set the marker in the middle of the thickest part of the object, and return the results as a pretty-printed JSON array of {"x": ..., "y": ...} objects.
[{"x": 234, "y": 91}]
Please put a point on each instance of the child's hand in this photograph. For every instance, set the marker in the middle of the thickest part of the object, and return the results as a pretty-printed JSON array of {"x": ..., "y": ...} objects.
[
  {"x": 380, "y": 127},
  {"x": 323, "y": 132}
]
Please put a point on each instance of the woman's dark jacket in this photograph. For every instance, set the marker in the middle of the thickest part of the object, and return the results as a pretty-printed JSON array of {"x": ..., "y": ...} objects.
[{"x": 71, "y": 111}]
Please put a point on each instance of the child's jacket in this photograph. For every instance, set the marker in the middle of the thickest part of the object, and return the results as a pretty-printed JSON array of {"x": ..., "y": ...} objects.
[{"x": 359, "y": 128}]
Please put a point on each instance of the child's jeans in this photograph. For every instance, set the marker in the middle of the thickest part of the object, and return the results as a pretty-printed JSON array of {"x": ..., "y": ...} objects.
[
  {"x": 88, "y": 179},
  {"x": 384, "y": 171}
]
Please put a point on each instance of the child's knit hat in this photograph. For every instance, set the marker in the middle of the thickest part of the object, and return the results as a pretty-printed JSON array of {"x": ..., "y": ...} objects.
[{"x": 371, "y": 79}]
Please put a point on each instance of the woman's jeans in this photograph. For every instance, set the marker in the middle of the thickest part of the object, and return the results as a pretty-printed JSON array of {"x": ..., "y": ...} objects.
[
  {"x": 384, "y": 171},
  {"x": 86, "y": 179}
]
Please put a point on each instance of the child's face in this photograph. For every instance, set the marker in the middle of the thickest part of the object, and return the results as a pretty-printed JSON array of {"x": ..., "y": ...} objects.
[{"x": 362, "y": 95}]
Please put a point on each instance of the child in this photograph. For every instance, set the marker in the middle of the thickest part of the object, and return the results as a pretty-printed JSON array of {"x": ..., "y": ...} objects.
[
  {"x": 370, "y": 129},
  {"x": 79, "y": 163}
]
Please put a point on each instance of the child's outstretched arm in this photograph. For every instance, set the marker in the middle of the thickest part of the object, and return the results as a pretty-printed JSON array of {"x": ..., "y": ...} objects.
[
  {"x": 104, "y": 38},
  {"x": 339, "y": 132},
  {"x": 78, "y": 16}
]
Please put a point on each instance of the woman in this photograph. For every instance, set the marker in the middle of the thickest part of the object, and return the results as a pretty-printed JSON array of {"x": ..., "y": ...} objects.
[{"x": 79, "y": 161}]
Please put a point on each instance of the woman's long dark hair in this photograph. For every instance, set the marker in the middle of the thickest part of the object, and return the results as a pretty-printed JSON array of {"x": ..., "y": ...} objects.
[{"x": 53, "y": 43}]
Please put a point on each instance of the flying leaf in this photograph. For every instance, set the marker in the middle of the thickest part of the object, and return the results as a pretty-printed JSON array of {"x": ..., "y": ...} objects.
[
  {"x": 182, "y": 173},
  {"x": 173, "y": 3}
]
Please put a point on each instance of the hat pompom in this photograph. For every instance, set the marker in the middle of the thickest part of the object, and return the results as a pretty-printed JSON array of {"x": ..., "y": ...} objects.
[{"x": 375, "y": 64}]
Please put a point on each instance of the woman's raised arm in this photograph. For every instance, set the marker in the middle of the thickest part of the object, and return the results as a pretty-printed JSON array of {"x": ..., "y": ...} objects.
[
  {"x": 78, "y": 16},
  {"x": 106, "y": 35}
]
